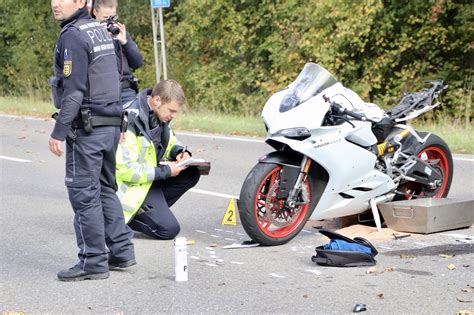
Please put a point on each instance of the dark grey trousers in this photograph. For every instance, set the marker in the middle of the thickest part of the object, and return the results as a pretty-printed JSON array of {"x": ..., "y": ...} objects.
[
  {"x": 158, "y": 221},
  {"x": 90, "y": 179}
]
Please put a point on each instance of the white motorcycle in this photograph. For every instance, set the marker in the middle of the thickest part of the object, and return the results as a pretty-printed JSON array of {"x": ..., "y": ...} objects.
[{"x": 337, "y": 156}]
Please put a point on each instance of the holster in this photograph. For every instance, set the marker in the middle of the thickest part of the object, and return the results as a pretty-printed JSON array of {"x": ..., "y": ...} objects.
[
  {"x": 124, "y": 124},
  {"x": 86, "y": 119}
]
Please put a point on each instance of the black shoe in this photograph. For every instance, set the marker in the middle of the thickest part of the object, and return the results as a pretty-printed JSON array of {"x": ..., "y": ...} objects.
[
  {"x": 115, "y": 264},
  {"x": 77, "y": 274}
]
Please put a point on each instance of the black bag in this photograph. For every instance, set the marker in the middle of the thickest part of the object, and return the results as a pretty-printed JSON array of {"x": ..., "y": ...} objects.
[{"x": 344, "y": 258}]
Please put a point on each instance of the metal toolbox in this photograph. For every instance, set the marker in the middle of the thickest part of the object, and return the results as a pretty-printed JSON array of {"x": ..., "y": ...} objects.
[{"x": 428, "y": 215}]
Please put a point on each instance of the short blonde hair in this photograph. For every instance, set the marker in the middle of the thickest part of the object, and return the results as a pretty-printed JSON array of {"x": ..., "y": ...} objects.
[{"x": 169, "y": 90}]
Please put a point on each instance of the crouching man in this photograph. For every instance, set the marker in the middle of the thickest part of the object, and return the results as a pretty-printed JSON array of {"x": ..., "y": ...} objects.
[{"x": 149, "y": 181}]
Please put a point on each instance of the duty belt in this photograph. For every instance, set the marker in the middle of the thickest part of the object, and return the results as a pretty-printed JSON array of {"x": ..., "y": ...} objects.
[{"x": 97, "y": 121}]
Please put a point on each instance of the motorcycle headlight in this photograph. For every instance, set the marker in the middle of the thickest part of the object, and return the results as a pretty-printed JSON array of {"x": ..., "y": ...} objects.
[{"x": 293, "y": 133}]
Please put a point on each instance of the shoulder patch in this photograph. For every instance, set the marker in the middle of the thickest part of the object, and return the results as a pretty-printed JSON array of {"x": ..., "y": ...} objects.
[{"x": 67, "y": 68}]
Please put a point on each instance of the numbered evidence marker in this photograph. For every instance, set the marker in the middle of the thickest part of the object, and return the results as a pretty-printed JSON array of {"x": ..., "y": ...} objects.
[{"x": 229, "y": 216}]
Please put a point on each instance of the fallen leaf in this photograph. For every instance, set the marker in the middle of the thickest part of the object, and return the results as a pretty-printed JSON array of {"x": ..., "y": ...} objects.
[
  {"x": 380, "y": 296},
  {"x": 407, "y": 256},
  {"x": 390, "y": 269},
  {"x": 446, "y": 256},
  {"x": 466, "y": 290},
  {"x": 451, "y": 267},
  {"x": 305, "y": 296},
  {"x": 221, "y": 284},
  {"x": 21, "y": 138},
  {"x": 463, "y": 312},
  {"x": 372, "y": 270},
  {"x": 212, "y": 245}
]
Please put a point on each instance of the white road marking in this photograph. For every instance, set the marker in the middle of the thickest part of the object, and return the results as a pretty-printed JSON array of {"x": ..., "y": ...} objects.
[
  {"x": 316, "y": 272},
  {"x": 231, "y": 239},
  {"x": 463, "y": 159},
  {"x": 276, "y": 275},
  {"x": 194, "y": 257},
  {"x": 220, "y": 137},
  {"x": 384, "y": 247},
  {"x": 220, "y": 230},
  {"x": 306, "y": 231},
  {"x": 213, "y": 256},
  {"x": 14, "y": 159},
  {"x": 202, "y": 232},
  {"x": 211, "y": 193},
  {"x": 237, "y": 262},
  {"x": 215, "y": 236}
]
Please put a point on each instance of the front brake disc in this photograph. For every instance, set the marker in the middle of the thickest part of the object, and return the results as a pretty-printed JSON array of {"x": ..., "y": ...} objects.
[{"x": 274, "y": 211}]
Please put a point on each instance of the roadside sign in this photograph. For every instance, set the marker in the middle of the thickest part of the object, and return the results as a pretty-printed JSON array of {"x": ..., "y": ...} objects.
[{"x": 156, "y": 4}]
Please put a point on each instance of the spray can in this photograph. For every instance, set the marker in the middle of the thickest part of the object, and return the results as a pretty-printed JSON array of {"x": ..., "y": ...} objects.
[{"x": 180, "y": 259}]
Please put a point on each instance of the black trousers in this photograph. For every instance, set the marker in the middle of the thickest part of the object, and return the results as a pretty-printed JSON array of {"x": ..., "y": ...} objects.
[
  {"x": 90, "y": 179},
  {"x": 155, "y": 218}
]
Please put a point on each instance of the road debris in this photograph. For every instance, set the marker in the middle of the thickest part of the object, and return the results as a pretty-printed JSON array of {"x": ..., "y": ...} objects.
[
  {"x": 402, "y": 256},
  {"x": 371, "y": 270},
  {"x": 244, "y": 244},
  {"x": 451, "y": 267},
  {"x": 446, "y": 256},
  {"x": 398, "y": 236},
  {"x": 359, "y": 308}
]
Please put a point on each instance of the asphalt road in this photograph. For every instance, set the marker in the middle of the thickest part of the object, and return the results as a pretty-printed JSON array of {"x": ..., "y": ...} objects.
[{"x": 37, "y": 240}]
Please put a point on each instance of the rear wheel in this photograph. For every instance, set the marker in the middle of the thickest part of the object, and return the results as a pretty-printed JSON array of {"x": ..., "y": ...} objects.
[
  {"x": 264, "y": 216},
  {"x": 436, "y": 151}
]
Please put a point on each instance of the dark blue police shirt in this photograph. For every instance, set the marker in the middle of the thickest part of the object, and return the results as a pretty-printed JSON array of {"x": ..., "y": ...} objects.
[{"x": 72, "y": 50}]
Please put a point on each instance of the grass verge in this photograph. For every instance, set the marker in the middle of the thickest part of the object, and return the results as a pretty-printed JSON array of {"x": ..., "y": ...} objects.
[{"x": 458, "y": 136}]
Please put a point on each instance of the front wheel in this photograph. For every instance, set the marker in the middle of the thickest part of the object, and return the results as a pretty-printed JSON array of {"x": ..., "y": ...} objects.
[
  {"x": 437, "y": 151},
  {"x": 265, "y": 217}
]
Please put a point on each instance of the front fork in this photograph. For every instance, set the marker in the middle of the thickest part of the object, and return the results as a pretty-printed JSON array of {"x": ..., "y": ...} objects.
[{"x": 296, "y": 190}]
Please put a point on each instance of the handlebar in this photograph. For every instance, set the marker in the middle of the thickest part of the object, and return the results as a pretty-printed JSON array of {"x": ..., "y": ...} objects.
[{"x": 344, "y": 111}]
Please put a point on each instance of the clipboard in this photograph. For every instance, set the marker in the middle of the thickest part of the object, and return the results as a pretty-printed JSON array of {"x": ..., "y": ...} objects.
[{"x": 203, "y": 166}]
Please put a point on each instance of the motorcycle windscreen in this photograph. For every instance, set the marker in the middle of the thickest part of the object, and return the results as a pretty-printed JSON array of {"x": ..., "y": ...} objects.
[{"x": 311, "y": 81}]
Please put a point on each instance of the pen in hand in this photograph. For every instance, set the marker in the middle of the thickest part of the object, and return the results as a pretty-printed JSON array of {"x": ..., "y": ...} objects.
[{"x": 184, "y": 151}]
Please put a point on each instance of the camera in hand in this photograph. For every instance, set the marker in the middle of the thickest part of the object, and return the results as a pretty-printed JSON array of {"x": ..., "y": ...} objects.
[{"x": 112, "y": 26}]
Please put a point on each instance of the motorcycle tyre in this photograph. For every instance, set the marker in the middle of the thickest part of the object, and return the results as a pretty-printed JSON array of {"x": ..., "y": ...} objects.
[
  {"x": 436, "y": 143},
  {"x": 246, "y": 206}
]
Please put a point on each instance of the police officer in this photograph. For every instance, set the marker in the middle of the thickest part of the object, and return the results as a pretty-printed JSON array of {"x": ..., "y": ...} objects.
[
  {"x": 127, "y": 53},
  {"x": 85, "y": 88},
  {"x": 148, "y": 175}
]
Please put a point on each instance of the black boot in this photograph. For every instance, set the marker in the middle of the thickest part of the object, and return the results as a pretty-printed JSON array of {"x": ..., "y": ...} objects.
[
  {"x": 115, "y": 264},
  {"x": 77, "y": 274}
]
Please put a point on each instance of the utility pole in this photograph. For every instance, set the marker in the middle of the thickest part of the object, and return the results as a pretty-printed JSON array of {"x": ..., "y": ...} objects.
[{"x": 157, "y": 20}]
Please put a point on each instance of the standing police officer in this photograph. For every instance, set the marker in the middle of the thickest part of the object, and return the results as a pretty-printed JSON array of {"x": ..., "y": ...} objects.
[
  {"x": 86, "y": 90},
  {"x": 127, "y": 52}
]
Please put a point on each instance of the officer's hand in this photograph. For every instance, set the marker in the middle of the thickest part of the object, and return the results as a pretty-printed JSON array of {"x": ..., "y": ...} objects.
[
  {"x": 122, "y": 36},
  {"x": 182, "y": 156},
  {"x": 175, "y": 170},
  {"x": 56, "y": 146},
  {"x": 123, "y": 137}
]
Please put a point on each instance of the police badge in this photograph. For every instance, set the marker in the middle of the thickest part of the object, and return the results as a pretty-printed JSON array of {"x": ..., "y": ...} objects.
[{"x": 67, "y": 68}]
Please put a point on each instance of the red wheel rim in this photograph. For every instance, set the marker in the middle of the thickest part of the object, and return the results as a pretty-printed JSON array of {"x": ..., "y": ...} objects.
[
  {"x": 429, "y": 154},
  {"x": 280, "y": 213}
]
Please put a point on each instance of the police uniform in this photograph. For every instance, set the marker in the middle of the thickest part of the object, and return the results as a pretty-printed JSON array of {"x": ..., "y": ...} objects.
[
  {"x": 128, "y": 58},
  {"x": 86, "y": 90}
]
